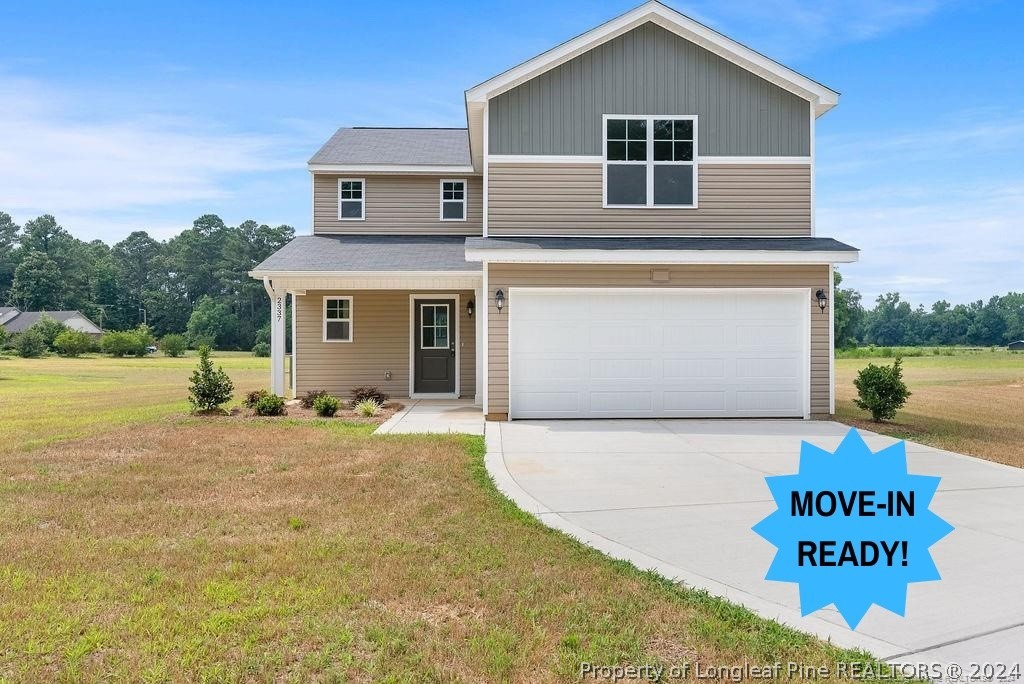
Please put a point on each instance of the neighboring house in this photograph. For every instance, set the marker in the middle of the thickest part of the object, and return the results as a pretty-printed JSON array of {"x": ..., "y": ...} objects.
[
  {"x": 7, "y": 313},
  {"x": 1016, "y": 346},
  {"x": 624, "y": 229},
  {"x": 21, "y": 321}
]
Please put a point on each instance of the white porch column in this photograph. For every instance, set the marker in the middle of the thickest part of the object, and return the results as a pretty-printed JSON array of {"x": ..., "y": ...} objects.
[
  {"x": 277, "y": 326},
  {"x": 480, "y": 305}
]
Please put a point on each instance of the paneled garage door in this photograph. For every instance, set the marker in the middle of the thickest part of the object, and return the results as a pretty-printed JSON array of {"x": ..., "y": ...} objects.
[{"x": 596, "y": 353}]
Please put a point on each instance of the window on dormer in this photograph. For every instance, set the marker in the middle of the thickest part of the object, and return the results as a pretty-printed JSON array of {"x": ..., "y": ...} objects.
[{"x": 650, "y": 161}]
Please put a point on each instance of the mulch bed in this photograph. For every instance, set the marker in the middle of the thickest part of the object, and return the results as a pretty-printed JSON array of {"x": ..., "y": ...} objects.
[{"x": 298, "y": 412}]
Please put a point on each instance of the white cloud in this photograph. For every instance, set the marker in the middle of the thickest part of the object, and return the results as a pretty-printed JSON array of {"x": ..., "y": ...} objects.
[{"x": 55, "y": 160}]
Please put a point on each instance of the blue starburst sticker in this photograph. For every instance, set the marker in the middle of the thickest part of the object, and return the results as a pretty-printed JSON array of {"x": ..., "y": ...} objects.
[{"x": 853, "y": 528}]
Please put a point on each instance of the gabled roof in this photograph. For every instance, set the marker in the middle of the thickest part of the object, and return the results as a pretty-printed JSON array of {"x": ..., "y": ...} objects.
[
  {"x": 394, "y": 148},
  {"x": 822, "y": 97},
  {"x": 26, "y": 319}
]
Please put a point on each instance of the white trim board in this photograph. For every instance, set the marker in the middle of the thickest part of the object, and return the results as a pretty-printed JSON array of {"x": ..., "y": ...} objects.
[
  {"x": 456, "y": 315},
  {"x": 656, "y": 256},
  {"x": 822, "y": 97},
  {"x": 597, "y": 159},
  {"x": 390, "y": 168}
]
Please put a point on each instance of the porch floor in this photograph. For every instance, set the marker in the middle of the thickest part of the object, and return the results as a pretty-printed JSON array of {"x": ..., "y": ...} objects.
[{"x": 436, "y": 415}]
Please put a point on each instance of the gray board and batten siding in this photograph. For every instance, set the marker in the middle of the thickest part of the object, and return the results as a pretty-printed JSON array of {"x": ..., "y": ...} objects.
[{"x": 649, "y": 70}]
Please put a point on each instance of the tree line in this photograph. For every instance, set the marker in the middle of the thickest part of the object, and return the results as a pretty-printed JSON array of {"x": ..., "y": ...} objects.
[
  {"x": 893, "y": 321},
  {"x": 196, "y": 282}
]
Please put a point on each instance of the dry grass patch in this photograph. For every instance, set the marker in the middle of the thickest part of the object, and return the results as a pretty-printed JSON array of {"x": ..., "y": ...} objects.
[
  {"x": 288, "y": 550},
  {"x": 969, "y": 403}
]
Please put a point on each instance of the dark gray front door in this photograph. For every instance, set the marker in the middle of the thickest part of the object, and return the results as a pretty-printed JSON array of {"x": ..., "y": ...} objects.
[{"x": 435, "y": 346}]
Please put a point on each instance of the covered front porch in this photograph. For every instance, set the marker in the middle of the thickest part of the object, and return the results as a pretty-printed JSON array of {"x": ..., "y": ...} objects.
[{"x": 393, "y": 312}]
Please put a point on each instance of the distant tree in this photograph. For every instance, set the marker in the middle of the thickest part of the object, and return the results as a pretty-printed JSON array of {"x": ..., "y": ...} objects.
[
  {"x": 849, "y": 314},
  {"x": 213, "y": 320},
  {"x": 8, "y": 254},
  {"x": 37, "y": 283}
]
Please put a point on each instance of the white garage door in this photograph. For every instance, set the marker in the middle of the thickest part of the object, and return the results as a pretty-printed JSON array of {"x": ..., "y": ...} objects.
[{"x": 658, "y": 353}]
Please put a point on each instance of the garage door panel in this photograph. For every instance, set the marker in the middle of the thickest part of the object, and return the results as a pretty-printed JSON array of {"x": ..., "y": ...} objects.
[{"x": 664, "y": 353}]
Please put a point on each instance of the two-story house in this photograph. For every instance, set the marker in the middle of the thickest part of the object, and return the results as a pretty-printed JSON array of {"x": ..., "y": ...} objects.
[{"x": 625, "y": 228}]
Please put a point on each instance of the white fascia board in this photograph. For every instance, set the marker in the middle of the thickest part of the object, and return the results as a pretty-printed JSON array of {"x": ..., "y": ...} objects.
[
  {"x": 822, "y": 97},
  {"x": 291, "y": 275},
  {"x": 657, "y": 256},
  {"x": 390, "y": 168}
]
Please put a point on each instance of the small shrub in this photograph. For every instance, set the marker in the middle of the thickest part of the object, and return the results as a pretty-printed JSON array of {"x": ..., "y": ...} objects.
[
  {"x": 368, "y": 407},
  {"x": 269, "y": 405},
  {"x": 173, "y": 345},
  {"x": 72, "y": 343},
  {"x": 4, "y": 337},
  {"x": 361, "y": 394},
  {"x": 29, "y": 344},
  {"x": 122, "y": 343},
  {"x": 261, "y": 349},
  {"x": 881, "y": 390},
  {"x": 144, "y": 335},
  {"x": 49, "y": 328},
  {"x": 209, "y": 388},
  {"x": 326, "y": 406},
  {"x": 310, "y": 398},
  {"x": 252, "y": 398}
]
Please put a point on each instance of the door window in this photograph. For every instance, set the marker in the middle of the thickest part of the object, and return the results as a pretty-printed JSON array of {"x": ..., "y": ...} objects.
[{"x": 433, "y": 326}]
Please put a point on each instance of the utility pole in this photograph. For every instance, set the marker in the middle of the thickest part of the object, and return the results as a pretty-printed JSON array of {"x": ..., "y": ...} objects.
[{"x": 143, "y": 310}]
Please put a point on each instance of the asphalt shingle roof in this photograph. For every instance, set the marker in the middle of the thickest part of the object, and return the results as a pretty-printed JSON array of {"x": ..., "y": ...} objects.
[
  {"x": 370, "y": 253},
  {"x": 26, "y": 319},
  {"x": 402, "y": 146}
]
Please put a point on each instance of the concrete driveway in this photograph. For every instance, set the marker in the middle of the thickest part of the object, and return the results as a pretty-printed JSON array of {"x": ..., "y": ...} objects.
[{"x": 680, "y": 497}]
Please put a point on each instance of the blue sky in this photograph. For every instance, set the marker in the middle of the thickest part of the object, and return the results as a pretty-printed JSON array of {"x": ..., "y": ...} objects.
[{"x": 116, "y": 116}]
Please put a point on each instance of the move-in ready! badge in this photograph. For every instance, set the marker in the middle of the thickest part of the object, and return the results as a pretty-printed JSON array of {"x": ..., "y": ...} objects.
[{"x": 853, "y": 528}]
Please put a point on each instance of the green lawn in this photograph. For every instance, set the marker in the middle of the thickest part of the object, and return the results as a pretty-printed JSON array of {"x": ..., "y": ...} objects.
[
  {"x": 970, "y": 401},
  {"x": 139, "y": 543}
]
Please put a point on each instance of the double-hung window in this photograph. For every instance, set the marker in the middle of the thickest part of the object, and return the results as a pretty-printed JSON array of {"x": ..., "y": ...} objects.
[
  {"x": 351, "y": 199},
  {"x": 453, "y": 200},
  {"x": 649, "y": 161},
  {"x": 337, "y": 319}
]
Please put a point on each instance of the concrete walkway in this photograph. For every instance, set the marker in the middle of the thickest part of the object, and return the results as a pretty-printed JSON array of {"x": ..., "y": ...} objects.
[
  {"x": 435, "y": 415},
  {"x": 680, "y": 496}
]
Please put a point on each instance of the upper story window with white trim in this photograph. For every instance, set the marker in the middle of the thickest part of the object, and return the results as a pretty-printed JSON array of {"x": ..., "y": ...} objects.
[
  {"x": 453, "y": 199},
  {"x": 650, "y": 161},
  {"x": 337, "y": 319},
  {"x": 351, "y": 199}
]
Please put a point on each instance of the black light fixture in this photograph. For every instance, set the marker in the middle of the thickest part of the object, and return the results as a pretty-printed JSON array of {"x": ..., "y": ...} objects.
[
  {"x": 470, "y": 308},
  {"x": 822, "y": 300},
  {"x": 499, "y": 300}
]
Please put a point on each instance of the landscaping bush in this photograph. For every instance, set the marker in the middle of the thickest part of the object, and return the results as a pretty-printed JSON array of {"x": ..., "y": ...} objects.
[
  {"x": 326, "y": 406},
  {"x": 881, "y": 390},
  {"x": 72, "y": 343},
  {"x": 311, "y": 397},
  {"x": 270, "y": 405},
  {"x": 49, "y": 328},
  {"x": 361, "y": 394},
  {"x": 120, "y": 343},
  {"x": 252, "y": 398},
  {"x": 29, "y": 344},
  {"x": 368, "y": 407},
  {"x": 261, "y": 349},
  {"x": 173, "y": 345},
  {"x": 209, "y": 388}
]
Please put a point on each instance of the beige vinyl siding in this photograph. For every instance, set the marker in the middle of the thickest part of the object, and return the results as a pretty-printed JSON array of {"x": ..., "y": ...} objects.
[
  {"x": 504, "y": 276},
  {"x": 732, "y": 199},
  {"x": 380, "y": 342},
  {"x": 397, "y": 204}
]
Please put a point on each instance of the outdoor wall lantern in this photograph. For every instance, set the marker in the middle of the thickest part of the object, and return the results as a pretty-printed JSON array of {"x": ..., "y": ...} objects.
[
  {"x": 470, "y": 308},
  {"x": 499, "y": 300},
  {"x": 822, "y": 300}
]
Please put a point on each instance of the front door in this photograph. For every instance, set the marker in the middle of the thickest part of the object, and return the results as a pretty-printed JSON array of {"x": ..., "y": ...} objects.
[{"x": 434, "y": 362}]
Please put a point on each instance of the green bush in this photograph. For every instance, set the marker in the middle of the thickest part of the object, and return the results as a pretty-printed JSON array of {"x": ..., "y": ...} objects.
[
  {"x": 72, "y": 343},
  {"x": 209, "y": 388},
  {"x": 261, "y": 349},
  {"x": 361, "y": 394},
  {"x": 325, "y": 405},
  {"x": 173, "y": 345},
  {"x": 310, "y": 397},
  {"x": 29, "y": 344},
  {"x": 367, "y": 407},
  {"x": 146, "y": 339},
  {"x": 252, "y": 398},
  {"x": 881, "y": 390},
  {"x": 4, "y": 337},
  {"x": 270, "y": 405},
  {"x": 49, "y": 328},
  {"x": 120, "y": 343}
]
